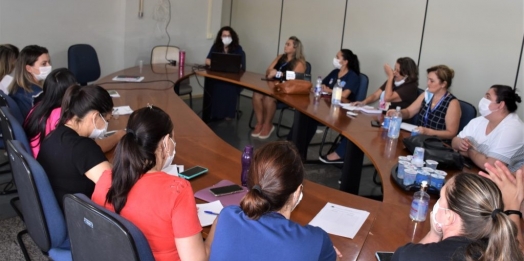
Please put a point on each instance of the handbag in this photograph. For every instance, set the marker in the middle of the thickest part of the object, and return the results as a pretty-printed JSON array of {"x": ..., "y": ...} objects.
[
  {"x": 294, "y": 87},
  {"x": 435, "y": 149}
]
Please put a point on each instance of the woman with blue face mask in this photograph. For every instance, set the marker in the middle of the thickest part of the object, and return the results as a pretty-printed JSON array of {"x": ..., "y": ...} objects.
[
  {"x": 32, "y": 67},
  {"x": 224, "y": 96},
  {"x": 498, "y": 134},
  {"x": 472, "y": 220}
]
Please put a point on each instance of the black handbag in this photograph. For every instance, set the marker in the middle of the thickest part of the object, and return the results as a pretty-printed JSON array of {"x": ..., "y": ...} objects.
[{"x": 435, "y": 149}]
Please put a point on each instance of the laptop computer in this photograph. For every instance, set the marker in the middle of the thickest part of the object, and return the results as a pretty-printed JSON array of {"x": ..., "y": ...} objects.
[{"x": 225, "y": 62}]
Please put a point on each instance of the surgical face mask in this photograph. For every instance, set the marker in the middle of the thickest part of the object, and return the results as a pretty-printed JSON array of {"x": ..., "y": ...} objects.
[
  {"x": 484, "y": 107},
  {"x": 169, "y": 158},
  {"x": 400, "y": 82},
  {"x": 336, "y": 63},
  {"x": 226, "y": 40},
  {"x": 98, "y": 133},
  {"x": 428, "y": 96},
  {"x": 438, "y": 226},
  {"x": 298, "y": 201},
  {"x": 44, "y": 72}
]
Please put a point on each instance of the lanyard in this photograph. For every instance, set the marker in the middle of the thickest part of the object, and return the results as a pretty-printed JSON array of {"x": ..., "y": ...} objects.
[
  {"x": 281, "y": 66},
  {"x": 432, "y": 110}
]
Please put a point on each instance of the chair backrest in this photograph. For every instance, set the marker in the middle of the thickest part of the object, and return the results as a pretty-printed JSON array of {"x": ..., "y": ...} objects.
[
  {"x": 99, "y": 234},
  {"x": 362, "y": 91},
  {"x": 82, "y": 61},
  {"x": 42, "y": 216},
  {"x": 159, "y": 54},
  {"x": 469, "y": 112},
  {"x": 12, "y": 129},
  {"x": 6, "y": 101},
  {"x": 414, "y": 119}
]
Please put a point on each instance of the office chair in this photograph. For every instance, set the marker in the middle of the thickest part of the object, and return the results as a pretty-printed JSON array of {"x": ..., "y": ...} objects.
[
  {"x": 414, "y": 119},
  {"x": 171, "y": 54},
  {"x": 82, "y": 61},
  {"x": 469, "y": 112},
  {"x": 99, "y": 234},
  {"x": 41, "y": 214},
  {"x": 282, "y": 107}
]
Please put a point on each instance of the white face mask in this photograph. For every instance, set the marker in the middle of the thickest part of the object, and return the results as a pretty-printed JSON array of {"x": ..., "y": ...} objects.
[
  {"x": 400, "y": 82},
  {"x": 44, "y": 72},
  {"x": 169, "y": 159},
  {"x": 226, "y": 40},
  {"x": 428, "y": 96},
  {"x": 436, "y": 207},
  {"x": 298, "y": 201},
  {"x": 484, "y": 107},
  {"x": 98, "y": 133},
  {"x": 336, "y": 63}
]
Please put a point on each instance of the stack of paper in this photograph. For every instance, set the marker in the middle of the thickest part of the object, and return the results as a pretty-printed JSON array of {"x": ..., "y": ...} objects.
[
  {"x": 339, "y": 220},
  {"x": 207, "y": 212},
  {"x": 174, "y": 169},
  {"x": 113, "y": 94},
  {"x": 366, "y": 109},
  {"x": 407, "y": 126},
  {"x": 128, "y": 78},
  {"x": 122, "y": 110}
]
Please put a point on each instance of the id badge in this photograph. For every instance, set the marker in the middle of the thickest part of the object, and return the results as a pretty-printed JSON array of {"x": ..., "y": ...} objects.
[{"x": 278, "y": 75}]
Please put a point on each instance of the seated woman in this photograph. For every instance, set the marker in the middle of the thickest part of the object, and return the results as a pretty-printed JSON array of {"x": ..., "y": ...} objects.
[
  {"x": 498, "y": 134},
  {"x": 261, "y": 225},
  {"x": 225, "y": 95},
  {"x": 44, "y": 116},
  {"x": 8, "y": 55},
  {"x": 468, "y": 222},
  {"x": 347, "y": 70},
  {"x": 32, "y": 67},
  {"x": 264, "y": 106},
  {"x": 171, "y": 224},
  {"x": 70, "y": 157},
  {"x": 400, "y": 89}
]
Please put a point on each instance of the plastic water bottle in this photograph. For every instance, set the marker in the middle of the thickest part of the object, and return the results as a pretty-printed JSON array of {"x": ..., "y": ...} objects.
[
  {"x": 419, "y": 205},
  {"x": 181, "y": 63},
  {"x": 394, "y": 124},
  {"x": 336, "y": 96},
  {"x": 246, "y": 163},
  {"x": 318, "y": 87}
]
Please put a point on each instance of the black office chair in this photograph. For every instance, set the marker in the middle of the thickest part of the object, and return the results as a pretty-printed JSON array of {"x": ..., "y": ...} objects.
[
  {"x": 82, "y": 61},
  {"x": 99, "y": 234},
  {"x": 469, "y": 112},
  {"x": 282, "y": 107}
]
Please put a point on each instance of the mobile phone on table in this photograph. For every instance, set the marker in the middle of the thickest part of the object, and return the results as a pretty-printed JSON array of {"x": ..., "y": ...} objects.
[
  {"x": 375, "y": 124},
  {"x": 383, "y": 256},
  {"x": 226, "y": 190},
  {"x": 192, "y": 172}
]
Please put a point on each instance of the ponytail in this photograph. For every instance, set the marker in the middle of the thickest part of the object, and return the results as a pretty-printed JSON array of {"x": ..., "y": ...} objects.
[{"x": 353, "y": 63}]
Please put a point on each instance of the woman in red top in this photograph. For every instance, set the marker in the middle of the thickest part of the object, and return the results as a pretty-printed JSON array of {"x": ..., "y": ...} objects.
[{"x": 162, "y": 206}]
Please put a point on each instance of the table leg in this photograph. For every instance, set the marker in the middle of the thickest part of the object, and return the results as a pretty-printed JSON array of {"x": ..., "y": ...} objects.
[
  {"x": 352, "y": 168},
  {"x": 206, "y": 106}
]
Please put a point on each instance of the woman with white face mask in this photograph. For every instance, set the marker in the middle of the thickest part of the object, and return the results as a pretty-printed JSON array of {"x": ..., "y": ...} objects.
[
  {"x": 224, "y": 95},
  {"x": 498, "y": 134},
  {"x": 347, "y": 70},
  {"x": 472, "y": 220},
  {"x": 260, "y": 225},
  {"x": 70, "y": 157},
  {"x": 160, "y": 205},
  {"x": 32, "y": 67}
]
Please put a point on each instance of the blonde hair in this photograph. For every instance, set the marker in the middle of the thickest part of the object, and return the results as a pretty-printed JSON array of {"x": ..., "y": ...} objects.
[
  {"x": 444, "y": 73},
  {"x": 298, "y": 56},
  {"x": 8, "y": 58},
  {"x": 24, "y": 79}
]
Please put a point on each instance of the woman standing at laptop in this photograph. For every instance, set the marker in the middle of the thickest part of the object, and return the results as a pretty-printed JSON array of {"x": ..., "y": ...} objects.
[
  {"x": 264, "y": 106},
  {"x": 225, "y": 95}
]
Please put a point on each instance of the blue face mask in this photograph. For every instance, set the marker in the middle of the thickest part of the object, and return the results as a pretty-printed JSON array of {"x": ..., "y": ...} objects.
[{"x": 427, "y": 96}]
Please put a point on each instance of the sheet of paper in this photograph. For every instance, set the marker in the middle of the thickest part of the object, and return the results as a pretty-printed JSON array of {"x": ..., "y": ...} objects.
[
  {"x": 114, "y": 94},
  {"x": 339, "y": 220},
  {"x": 122, "y": 110},
  {"x": 128, "y": 78},
  {"x": 207, "y": 219},
  {"x": 5, "y": 82},
  {"x": 174, "y": 169},
  {"x": 407, "y": 126}
]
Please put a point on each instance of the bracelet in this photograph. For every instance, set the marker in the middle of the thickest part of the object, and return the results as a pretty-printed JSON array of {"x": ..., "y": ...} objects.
[{"x": 513, "y": 212}]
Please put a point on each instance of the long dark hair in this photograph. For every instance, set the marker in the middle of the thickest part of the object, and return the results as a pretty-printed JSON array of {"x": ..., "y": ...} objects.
[
  {"x": 8, "y": 55},
  {"x": 218, "y": 46},
  {"x": 353, "y": 63},
  {"x": 78, "y": 101},
  {"x": 55, "y": 86},
  {"x": 508, "y": 95},
  {"x": 408, "y": 68},
  {"x": 23, "y": 79},
  {"x": 277, "y": 170},
  {"x": 135, "y": 152}
]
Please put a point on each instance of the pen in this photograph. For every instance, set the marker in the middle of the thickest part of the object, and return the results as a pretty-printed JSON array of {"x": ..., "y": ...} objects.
[{"x": 210, "y": 212}]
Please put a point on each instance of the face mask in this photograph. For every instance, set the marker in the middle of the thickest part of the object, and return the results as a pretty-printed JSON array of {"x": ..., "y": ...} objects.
[
  {"x": 336, "y": 63},
  {"x": 298, "y": 201},
  {"x": 226, "y": 40},
  {"x": 400, "y": 82},
  {"x": 427, "y": 96},
  {"x": 484, "y": 107},
  {"x": 98, "y": 133},
  {"x": 44, "y": 72},
  {"x": 438, "y": 226},
  {"x": 169, "y": 158}
]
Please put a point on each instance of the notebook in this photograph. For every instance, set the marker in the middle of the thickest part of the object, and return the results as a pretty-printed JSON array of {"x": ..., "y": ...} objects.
[{"x": 225, "y": 62}]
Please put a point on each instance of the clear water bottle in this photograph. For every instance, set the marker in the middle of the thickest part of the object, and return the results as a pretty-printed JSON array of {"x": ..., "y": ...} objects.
[
  {"x": 318, "y": 87},
  {"x": 336, "y": 96},
  {"x": 419, "y": 205},
  {"x": 394, "y": 124},
  {"x": 246, "y": 163}
]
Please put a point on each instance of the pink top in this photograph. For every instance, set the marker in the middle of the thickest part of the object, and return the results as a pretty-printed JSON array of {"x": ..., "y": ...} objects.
[{"x": 52, "y": 121}]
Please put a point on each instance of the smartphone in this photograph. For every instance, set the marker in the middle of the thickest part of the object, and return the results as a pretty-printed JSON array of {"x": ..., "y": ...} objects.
[
  {"x": 375, "y": 124},
  {"x": 226, "y": 190},
  {"x": 383, "y": 256},
  {"x": 192, "y": 172}
]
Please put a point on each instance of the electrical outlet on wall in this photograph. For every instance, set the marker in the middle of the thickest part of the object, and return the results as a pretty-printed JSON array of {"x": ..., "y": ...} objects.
[{"x": 209, "y": 36}]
